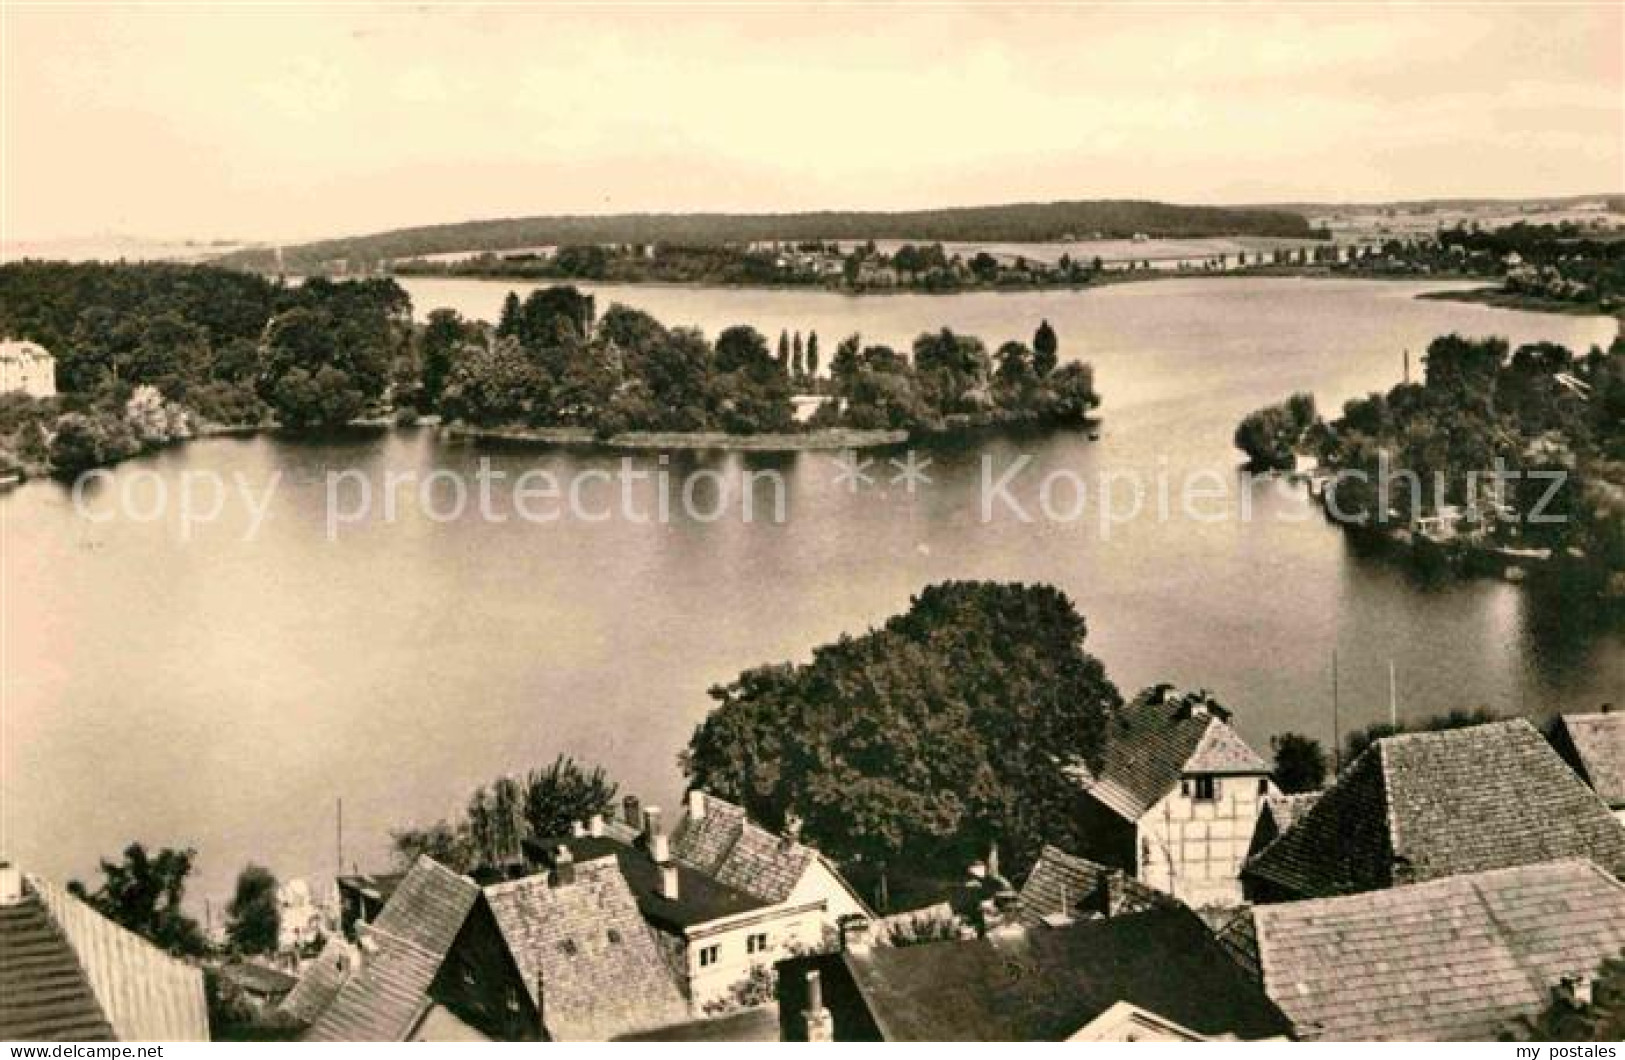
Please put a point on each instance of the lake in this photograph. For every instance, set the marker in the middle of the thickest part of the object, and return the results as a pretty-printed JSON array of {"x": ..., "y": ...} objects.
[{"x": 223, "y": 693}]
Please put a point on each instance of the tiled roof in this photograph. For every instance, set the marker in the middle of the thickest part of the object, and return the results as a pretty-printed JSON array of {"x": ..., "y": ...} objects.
[
  {"x": 760, "y": 1024},
  {"x": 1158, "y": 738},
  {"x": 1049, "y": 983},
  {"x": 320, "y": 981},
  {"x": 258, "y": 978},
  {"x": 737, "y": 851},
  {"x": 143, "y": 993},
  {"x": 1279, "y": 813},
  {"x": 1454, "y": 959},
  {"x": 700, "y": 898},
  {"x": 44, "y": 993},
  {"x": 1064, "y": 883},
  {"x": 1421, "y": 806},
  {"x": 1599, "y": 743},
  {"x": 596, "y": 961},
  {"x": 389, "y": 993}
]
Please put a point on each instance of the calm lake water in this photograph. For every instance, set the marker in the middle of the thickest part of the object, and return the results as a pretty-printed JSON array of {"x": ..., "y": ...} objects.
[{"x": 222, "y": 693}]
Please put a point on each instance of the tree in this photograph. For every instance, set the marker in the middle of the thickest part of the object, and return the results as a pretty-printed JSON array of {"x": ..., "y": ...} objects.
[
  {"x": 443, "y": 336},
  {"x": 254, "y": 923},
  {"x": 954, "y": 724},
  {"x": 812, "y": 353},
  {"x": 508, "y": 322},
  {"x": 1300, "y": 763},
  {"x": 784, "y": 349},
  {"x": 144, "y": 893},
  {"x": 1045, "y": 349},
  {"x": 564, "y": 793},
  {"x": 1603, "y": 1020}
]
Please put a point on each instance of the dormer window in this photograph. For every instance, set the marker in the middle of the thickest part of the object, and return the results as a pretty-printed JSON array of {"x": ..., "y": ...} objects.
[{"x": 1205, "y": 789}]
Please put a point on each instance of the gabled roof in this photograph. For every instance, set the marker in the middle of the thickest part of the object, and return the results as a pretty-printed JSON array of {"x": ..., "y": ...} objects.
[
  {"x": 66, "y": 974},
  {"x": 1454, "y": 959},
  {"x": 1422, "y": 806},
  {"x": 44, "y": 993},
  {"x": 1048, "y": 983},
  {"x": 1062, "y": 884},
  {"x": 759, "y": 1024},
  {"x": 1159, "y": 738},
  {"x": 320, "y": 981},
  {"x": 1598, "y": 741},
  {"x": 1276, "y": 815},
  {"x": 385, "y": 998},
  {"x": 588, "y": 949},
  {"x": 738, "y": 852}
]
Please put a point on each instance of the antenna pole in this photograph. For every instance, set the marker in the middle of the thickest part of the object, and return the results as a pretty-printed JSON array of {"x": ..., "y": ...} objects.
[
  {"x": 340, "y": 836},
  {"x": 1337, "y": 729},
  {"x": 1393, "y": 696}
]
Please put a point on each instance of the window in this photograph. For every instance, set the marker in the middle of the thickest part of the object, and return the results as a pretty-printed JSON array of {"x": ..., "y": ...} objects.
[
  {"x": 756, "y": 943},
  {"x": 1207, "y": 789},
  {"x": 513, "y": 1000},
  {"x": 1263, "y": 785},
  {"x": 468, "y": 975},
  {"x": 709, "y": 955},
  {"x": 569, "y": 947},
  {"x": 614, "y": 936}
]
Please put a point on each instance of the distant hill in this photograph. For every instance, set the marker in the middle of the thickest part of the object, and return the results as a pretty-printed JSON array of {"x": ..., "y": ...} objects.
[{"x": 1018, "y": 223}]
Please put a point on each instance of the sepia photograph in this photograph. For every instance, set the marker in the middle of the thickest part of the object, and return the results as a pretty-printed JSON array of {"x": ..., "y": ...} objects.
[{"x": 700, "y": 522}]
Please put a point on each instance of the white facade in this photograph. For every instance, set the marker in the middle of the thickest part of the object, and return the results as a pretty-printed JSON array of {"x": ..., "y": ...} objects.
[
  {"x": 1192, "y": 843},
  {"x": 28, "y": 367},
  {"x": 719, "y": 954}
]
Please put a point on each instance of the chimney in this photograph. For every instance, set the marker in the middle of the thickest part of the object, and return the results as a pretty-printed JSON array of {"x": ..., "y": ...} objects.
[
  {"x": 11, "y": 884},
  {"x": 696, "y": 804},
  {"x": 1575, "y": 991},
  {"x": 668, "y": 882},
  {"x": 792, "y": 828},
  {"x": 855, "y": 934},
  {"x": 820, "y": 1024},
  {"x": 632, "y": 810},
  {"x": 595, "y": 826},
  {"x": 659, "y": 845},
  {"x": 564, "y": 867}
]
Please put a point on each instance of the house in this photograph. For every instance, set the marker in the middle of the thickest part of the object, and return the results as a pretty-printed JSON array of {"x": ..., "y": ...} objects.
[
  {"x": 1155, "y": 975},
  {"x": 362, "y": 897},
  {"x": 1423, "y": 806},
  {"x": 724, "y": 895},
  {"x": 28, "y": 367},
  {"x": 1462, "y": 958},
  {"x": 68, "y": 974},
  {"x": 1062, "y": 888},
  {"x": 258, "y": 987},
  {"x": 560, "y": 956},
  {"x": 432, "y": 967},
  {"x": 1176, "y": 797},
  {"x": 1594, "y": 747}
]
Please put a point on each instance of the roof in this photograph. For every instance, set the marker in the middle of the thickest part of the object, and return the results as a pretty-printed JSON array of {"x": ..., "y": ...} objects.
[
  {"x": 258, "y": 978},
  {"x": 1062, "y": 883},
  {"x": 1422, "y": 806},
  {"x": 760, "y": 1024},
  {"x": 385, "y": 998},
  {"x": 44, "y": 993},
  {"x": 69, "y": 973},
  {"x": 1454, "y": 959},
  {"x": 22, "y": 349},
  {"x": 1159, "y": 738},
  {"x": 700, "y": 898},
  {"x": 1598, "y": 741},
  {"x": 320, "y": 982},
  {"x": 1049, "y": 983},
  {"x": 1277, "y": 814},
  {"x": 375, "y": 885},
  {"x": 738, "y": 852},
  {"x": 586, "y": 946}
]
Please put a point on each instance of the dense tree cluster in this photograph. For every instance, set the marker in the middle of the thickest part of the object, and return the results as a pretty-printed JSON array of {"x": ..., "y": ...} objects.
[
  {"x": 952, "y": 379},
  {"x": 253, "y": 921},
  {"x": 501, "y": 815},
  {"x": 1270, "y": 436},
  {"x": 1554, "y": 421},
  {"x": 144, "y": 892},
  {"x": 952, "y": 725},
  {"x": 142, "y": 350}
]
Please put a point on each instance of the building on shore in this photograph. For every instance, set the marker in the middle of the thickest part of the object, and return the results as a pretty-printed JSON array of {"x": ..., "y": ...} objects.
[
  {"x": 1594, "y": 747},
  {"x": 27, "y": 367},
  {"x": 69, "y": 974},
  {"x": 1176, "y": 798}
]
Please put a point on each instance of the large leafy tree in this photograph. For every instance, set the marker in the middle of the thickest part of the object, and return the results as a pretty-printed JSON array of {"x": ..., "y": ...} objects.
[
  {"x": 1300, "y": 763},
  {"x": 253, "y": 920},
  {"x": 144, "y": 892},
  {"x": 953, "y": 725}
]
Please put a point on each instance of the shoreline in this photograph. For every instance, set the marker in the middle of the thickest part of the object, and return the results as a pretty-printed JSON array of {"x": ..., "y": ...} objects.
[
  {"x": 811, "y": 441},
  {"x": 1496, "y": 298}
]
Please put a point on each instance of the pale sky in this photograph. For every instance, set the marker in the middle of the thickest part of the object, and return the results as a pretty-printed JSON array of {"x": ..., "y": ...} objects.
[{"x": 300, "y": 121}]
